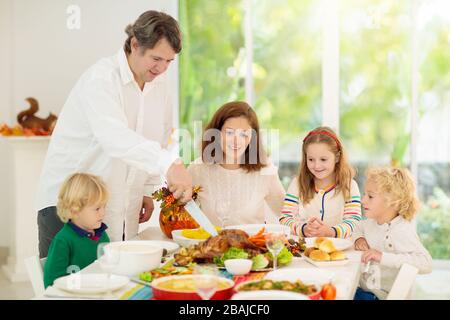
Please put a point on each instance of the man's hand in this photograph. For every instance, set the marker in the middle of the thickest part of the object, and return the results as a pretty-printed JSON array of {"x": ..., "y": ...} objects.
[
  {"x": 146, "y": 210},
  {"x": 361, "y": 244},
  {"x": 179, "y": 181}
]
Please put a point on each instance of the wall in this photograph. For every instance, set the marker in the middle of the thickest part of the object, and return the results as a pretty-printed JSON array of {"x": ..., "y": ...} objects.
[{"x": 41, "y": 57}]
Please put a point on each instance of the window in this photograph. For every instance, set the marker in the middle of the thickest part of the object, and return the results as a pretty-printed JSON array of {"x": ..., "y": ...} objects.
[
  {"x": 213, "y": 46},
  {"x": 287, "y": 70},
  {"x": 394, "y": 80},
  {"x": 375, "y": 80},
  {"x": 433, "y": 147}
]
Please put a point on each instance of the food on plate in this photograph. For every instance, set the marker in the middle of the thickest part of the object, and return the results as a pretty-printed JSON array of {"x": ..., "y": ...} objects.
[
  {"x": 308, "y": 251},
  {"x": 326, "y": 251},
  {"x": 265, "y": 284},
  {"x": 216, "y": 246},
  {"x": 187, "y": 284},
  {"x": 319, "y": 255},
  {"x": 296, "y": 247},
  {"x": 327, "y": 246},
  {"x": 198, "y": 234},
  {"x": 230, "y": 244},
  {"x": 186, "y": 287},
  {"x": 258, "y": 238},
  {"x": 232, "y": 253},
  {"x": 283, "y": 258},
  {"x": 260, "y": 262},
  {"x": 318, "y": 241},
  {"x": 328, "y": 291},
  {"x": 167, "y": 270},
  {"x": 337, "y": 255}
]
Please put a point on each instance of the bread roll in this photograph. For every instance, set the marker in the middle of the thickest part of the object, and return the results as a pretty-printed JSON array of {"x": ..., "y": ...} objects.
[
  {"x": 338, "y": 255},
  {"x": 327, "y": 246},
  {"x": 318, "y": 241},
  {"x": 308, "y": 251},
  {"x": 319, "y": 255}
]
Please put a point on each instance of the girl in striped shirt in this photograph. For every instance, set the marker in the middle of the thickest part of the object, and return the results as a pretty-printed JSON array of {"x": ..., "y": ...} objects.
[{"x": 323, "y": 200}]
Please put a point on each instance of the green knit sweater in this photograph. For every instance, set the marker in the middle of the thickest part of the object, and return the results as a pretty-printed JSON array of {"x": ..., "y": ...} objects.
[{"x": 68, "y": 252}]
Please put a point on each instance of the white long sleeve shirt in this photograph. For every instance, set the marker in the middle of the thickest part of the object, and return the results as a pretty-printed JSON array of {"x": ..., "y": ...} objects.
[
  {"x": 399, "y": 243},
  {"x": 244, "y": 197},
  {"x": 110, "y": 128}
]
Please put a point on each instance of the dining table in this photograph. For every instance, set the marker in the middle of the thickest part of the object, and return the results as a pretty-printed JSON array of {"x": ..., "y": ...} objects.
[{"x": 344, "y": 277}]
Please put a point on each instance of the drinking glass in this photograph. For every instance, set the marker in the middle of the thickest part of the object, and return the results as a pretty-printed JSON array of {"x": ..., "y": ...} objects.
[
  {"x": 275, "y": 243},
  {"x": 222, "y": 211},
  {"x": 108, "y": 259},
  {"x": 206, "y": 283}
]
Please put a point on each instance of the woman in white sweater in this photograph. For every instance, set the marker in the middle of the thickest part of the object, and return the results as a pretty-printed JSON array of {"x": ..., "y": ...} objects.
[
  {"x": 388, "y": 237},
  {"x": 239, "y": 185}
]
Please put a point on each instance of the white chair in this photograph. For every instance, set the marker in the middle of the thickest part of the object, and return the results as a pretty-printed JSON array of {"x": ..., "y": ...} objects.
[
  {"x": 35, "y": 269},
  {"x": 403, "y": 284}
]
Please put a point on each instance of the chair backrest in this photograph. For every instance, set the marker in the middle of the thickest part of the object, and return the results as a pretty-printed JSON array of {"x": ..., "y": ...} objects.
[
  {"x": 35, "y": 269},
  {"x": 403, "y": 283}
]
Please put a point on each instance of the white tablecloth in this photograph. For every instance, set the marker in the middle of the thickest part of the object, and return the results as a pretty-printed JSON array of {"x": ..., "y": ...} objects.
[{"x": 345, "y": 278}]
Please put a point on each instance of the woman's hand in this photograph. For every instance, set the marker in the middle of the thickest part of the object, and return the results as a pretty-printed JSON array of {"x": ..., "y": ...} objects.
[
  {"x": 371, "y": 255},
  {"x": 361, "y": 244}
]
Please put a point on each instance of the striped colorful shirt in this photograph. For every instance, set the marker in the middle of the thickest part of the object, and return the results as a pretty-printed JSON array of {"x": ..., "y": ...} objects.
[{"x": 328, "y": 205}]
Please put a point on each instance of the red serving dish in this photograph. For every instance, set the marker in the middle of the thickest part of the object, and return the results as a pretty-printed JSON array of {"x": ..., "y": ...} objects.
[
  {"x": 160, "y": 293},
  {"x": 313, "y": 296}
]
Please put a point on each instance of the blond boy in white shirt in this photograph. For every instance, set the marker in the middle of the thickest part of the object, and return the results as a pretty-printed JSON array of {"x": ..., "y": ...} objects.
[{"x": 388, "y": 238}]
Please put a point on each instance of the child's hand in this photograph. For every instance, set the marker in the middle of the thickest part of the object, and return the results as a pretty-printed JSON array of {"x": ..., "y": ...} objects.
[
  {"x": 371, "y": 255},
  {"x": 308, "y": 230},
  {"x": 316, "y": 228},
  {"x": 315, "y": 222},
  {"x": 361, "y": 244}
]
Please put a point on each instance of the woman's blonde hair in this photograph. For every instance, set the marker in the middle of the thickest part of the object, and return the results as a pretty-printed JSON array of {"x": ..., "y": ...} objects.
[
  {"x": 343, "y": 170},
  {"x": 398, "y": 188},
  {"x": 78, "y": 191}
]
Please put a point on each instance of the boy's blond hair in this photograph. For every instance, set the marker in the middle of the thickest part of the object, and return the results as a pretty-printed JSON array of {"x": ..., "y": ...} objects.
[
  {"x": 78, "y": 191},
  {"x": 397, "y": 187}
]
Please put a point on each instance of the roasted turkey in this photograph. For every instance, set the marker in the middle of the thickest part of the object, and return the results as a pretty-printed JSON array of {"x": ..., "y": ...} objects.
[{"x": 216, "y": 246}]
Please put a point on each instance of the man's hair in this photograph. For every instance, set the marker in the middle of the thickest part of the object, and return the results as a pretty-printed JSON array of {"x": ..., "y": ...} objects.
[
  {"x": 78, "y": 191},
  {"x": 151, "y": 27}
]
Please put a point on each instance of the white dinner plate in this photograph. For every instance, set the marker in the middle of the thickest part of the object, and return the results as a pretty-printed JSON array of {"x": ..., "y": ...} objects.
[
  {"x": 268, "y": 295},
  {"x": 252, "y": 270},
  {"x": 332, "y": 263},
  {"x": 252, "y": 229},
  {"x": 182, "y": 240},
  {"x": 339, "y": 244},
  {"x": 91, "y": 283},
  {"x": 171, "y": 247},
  {"x": 305, "y": 275}
]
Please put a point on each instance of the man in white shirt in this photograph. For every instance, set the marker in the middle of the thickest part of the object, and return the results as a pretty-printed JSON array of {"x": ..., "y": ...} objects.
[{"x": 116, "y": 124}]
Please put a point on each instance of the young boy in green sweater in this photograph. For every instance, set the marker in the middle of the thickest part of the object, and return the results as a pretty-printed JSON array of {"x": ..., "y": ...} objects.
[{"x": 81, "y": 206}]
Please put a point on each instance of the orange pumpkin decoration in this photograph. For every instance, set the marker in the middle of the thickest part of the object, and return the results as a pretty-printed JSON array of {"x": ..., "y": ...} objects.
[{"x": 173, "y": 216}]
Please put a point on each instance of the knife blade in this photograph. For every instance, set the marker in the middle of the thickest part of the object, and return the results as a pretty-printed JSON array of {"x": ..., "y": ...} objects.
[{"x": 198, "y": 215}]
